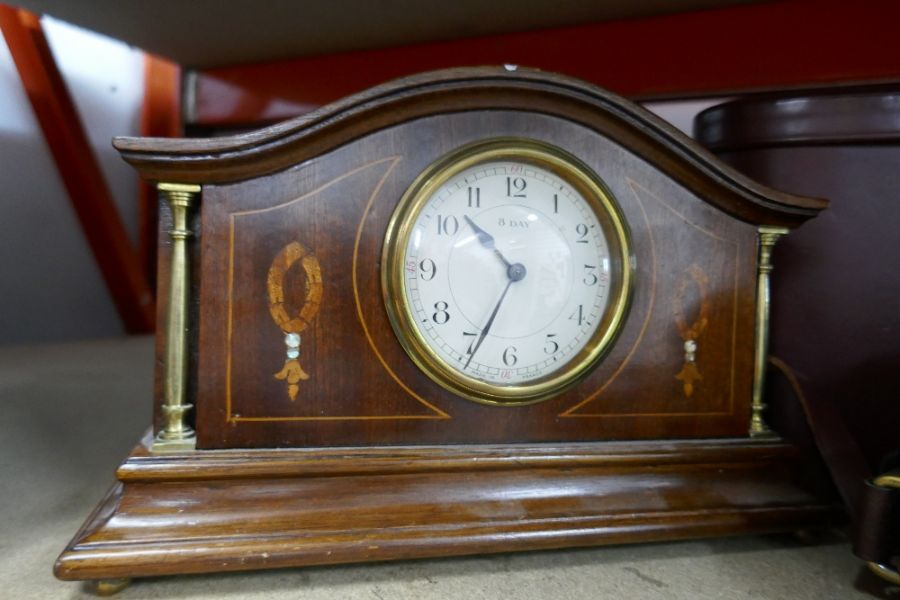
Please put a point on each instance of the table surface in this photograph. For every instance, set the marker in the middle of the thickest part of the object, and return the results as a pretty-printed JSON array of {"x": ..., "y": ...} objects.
[{"x": 71, "y": 412}]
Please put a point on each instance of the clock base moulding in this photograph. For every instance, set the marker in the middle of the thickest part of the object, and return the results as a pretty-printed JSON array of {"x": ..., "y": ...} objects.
[{"x": 235, "y": 510}]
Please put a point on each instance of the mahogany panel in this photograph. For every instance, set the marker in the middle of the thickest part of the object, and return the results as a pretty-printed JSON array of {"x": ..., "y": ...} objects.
[{"x": 694, "y": 265}]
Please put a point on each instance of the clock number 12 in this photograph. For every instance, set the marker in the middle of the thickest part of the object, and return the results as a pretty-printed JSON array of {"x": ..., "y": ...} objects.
[{"x": 515, "y": 187}]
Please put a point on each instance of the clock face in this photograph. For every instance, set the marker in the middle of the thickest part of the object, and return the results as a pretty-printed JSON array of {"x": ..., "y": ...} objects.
[{"x": 506, "y": 271}]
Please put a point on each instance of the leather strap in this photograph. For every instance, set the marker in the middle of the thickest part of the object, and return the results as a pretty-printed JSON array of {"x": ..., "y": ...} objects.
[
  {"x": 874, "y": 505},
  {"x": 877, "y": 525}
]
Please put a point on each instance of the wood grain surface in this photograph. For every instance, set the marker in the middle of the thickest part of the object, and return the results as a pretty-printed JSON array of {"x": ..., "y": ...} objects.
[
  {"x": 230, "y": 511},
  {"x": 364, "y": 390},
  {"x": 347, "y": 451},
  {"x": 330, "y": 180}
]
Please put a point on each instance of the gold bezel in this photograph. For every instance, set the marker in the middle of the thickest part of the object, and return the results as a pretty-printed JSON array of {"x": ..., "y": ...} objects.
[{"x": 575, "y": 173}]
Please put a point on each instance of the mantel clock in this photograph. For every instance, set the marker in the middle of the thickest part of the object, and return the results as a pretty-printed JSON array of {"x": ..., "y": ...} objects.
[{"x": 475, "y": 310}]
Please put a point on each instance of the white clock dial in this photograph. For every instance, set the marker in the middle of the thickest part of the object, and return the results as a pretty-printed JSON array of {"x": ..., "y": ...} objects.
[{"x": 512, "y": 274}]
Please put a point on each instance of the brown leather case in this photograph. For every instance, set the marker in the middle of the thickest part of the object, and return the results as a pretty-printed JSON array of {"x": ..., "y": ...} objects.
[{"x": 836, "y": 283}]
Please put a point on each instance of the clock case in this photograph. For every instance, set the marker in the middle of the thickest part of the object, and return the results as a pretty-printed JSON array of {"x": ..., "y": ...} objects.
[{"x": 279, "y": 231}]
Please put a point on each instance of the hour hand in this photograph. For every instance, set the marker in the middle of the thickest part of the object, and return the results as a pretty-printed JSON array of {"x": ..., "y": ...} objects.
[{"x": 486, "y": 240}]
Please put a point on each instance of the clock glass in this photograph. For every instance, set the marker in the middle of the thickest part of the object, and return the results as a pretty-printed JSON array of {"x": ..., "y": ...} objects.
[{"x": 506, "y": 271}]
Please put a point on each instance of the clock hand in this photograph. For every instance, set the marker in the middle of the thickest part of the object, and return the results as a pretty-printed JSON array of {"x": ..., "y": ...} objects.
[
  {"x": 486, "y": 240},
  {"x": 515, "y": 273},
  {"x": 487, "y": 327}
]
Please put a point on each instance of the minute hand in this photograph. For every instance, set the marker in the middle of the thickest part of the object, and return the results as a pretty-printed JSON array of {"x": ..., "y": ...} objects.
[
  {"x": 486, "y": 240},
  {"x": 515, "y": 272},
  {"x": 490, "y": 322}
]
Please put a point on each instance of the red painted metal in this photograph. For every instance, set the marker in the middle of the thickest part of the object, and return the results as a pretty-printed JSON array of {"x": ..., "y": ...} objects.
[
  {"x": 160, "y": 117},
  {"x": 78, "y": 167},
  {"x": 792, "y": 43}
]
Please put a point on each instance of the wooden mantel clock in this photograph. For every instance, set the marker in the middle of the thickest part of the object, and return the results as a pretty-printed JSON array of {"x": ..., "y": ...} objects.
[{"x": 476, "y": 310}]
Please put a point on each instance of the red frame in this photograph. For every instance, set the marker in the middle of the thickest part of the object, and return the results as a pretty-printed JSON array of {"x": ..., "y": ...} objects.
[
  {"x": 792, "y": 43},
  {"x": 160, "y": 117}
]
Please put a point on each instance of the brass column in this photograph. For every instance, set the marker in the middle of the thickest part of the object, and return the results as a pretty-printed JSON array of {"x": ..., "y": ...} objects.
[
  {"x": 176, "y": 435},
  {"x": 767, "y": 238}
]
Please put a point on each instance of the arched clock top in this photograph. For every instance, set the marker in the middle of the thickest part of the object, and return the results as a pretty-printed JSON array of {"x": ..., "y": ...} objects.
[{"x": 275, "y": 148}]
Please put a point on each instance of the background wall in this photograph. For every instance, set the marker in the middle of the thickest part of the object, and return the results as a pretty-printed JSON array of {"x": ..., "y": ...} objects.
[{"x": 50, "y": 286}]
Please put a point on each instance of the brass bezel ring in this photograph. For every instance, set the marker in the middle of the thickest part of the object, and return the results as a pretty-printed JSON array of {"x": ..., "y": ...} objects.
[{"x": 593, "y": 190}]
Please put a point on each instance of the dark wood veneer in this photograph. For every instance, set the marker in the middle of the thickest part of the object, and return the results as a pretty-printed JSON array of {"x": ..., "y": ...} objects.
[
  {"x": 227, "y": 510},
  {"x": 277, "y": 147},
  {"x": 364, "y": 389},
  {"x": 374, "y": 461}
]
